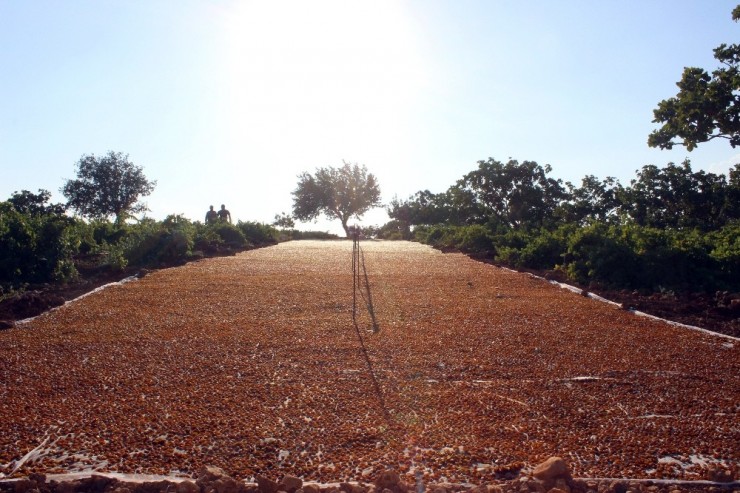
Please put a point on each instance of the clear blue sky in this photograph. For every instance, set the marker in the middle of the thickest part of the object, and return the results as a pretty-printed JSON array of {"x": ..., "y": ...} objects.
[{"x": 226, "y": 101}]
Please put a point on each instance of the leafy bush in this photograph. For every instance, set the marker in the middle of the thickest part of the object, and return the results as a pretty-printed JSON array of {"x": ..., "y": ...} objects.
[
  {"x": 156, "y": 248},
  {"x": 36, "y": 247},
  {"x": 310, "y": 235},
  {"x": 545, "y": 250},
  {"x": 474, "y": 239},
  {"x": 436, "y": 235},
  {"x": 219, "y": 238},
  {"x": 394, "y": 230},
  {"x": 231, "y": 235},
  {"x": 151, "y": 243},
  {"x": 116, "y": 258},
  {"x": 726, "y": 252},
  {"x": 597, "y": 253},
  {"x": 257, "y": 233}
]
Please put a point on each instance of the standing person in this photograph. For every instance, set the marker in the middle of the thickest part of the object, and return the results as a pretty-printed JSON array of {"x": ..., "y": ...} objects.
[
  {"x": 211, "y": 216},
  {"x": 224, "y": 214}
]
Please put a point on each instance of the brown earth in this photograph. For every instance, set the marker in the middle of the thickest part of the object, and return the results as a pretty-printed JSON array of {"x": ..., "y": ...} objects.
[
  {"x": 718, "y": 312},
  {"x": 252, "y": 363}
]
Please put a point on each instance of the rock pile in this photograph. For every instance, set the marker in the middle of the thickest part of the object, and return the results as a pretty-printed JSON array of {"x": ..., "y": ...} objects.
[{"x": 551, "y": 476}]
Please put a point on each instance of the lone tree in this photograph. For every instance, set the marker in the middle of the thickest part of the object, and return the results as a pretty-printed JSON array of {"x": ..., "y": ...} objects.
[
  {"x": 706, "y": 107},
  {"x": 110, "y": 185},
  {"x": 339, "y": 193}
]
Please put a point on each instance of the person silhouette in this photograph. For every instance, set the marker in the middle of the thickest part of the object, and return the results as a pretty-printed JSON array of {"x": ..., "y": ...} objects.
[
  {"x": 224, "y": 214},
  {"x": 211, "y": 216}
]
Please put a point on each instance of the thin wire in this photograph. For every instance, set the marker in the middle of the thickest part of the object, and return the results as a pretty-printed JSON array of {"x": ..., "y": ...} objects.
[
  {"x": 358, "y": 262},
  {"x": 369, "y": 300},
  {"x": 356, "y": 286}
]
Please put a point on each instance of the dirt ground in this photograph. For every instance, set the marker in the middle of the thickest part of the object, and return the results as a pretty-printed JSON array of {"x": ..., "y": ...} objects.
[
  {"x": 253, "y": 363},
  {"x": 718, "y": 312}
]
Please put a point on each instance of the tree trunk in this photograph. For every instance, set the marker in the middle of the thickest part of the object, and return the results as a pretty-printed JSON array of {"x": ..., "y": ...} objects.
[{"x": 344, "y": 225}]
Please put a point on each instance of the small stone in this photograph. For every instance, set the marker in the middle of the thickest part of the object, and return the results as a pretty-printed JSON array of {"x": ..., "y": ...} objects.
[
  {"x": 23, "y": 486},
  {"x": 536, "y": 486},
  {"x": 214, "y": 479},
  {"x": 209, "y": 474},
  {"x": 552, "y": 468},
  {"x": 719, "y": 475},
  {"x": 267, "y": 485},
  {"x": 187, "y": 487},
  {"x": 618, "y": 487},
  {"x": 290, "y": 484},
  {"x": 37, "y": 478},
  {"x": 387, "y": 479},
  {"x": 120, "y": 489},
  {"x": 227, "y": 485},
  {"x": 100, "y": 483},
  {"x": 311, "y": 488},
  {"x": 64, "y": 487},
  {"x": 562, "y": 485}
]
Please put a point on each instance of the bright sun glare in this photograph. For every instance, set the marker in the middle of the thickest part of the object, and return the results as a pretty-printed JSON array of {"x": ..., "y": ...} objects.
[{"x": 336, "y": 78}]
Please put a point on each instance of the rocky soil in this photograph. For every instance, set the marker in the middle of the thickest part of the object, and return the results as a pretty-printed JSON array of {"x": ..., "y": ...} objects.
[
  {"x": 551, "y": 476},
  {"x": 718, "y": 312},
  {"x": 252, "y": 364}
]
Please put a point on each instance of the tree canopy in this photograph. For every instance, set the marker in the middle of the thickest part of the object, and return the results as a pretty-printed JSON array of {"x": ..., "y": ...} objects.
[
  {"x": 678, "y": 197},
  {"x": 520, "y": 196},
  {"x": 27, "y": 202},
  {"x": 512, "y": 193},
  {"x": 338, "y": 193},
  {"x": 706, "y": 107},
  {"x": 109, "y": 185}
]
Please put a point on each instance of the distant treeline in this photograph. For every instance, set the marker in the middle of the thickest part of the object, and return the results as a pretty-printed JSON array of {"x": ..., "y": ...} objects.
[
  {"x": 41, "y": 243},
  {"x": 671, "y": 228}
]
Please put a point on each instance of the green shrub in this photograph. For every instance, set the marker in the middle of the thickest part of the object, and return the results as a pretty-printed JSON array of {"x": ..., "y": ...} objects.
[
  {"x": 150, "y": 243},
  {"x": 257, "y": 233},
  {"x": 36, "y": 247},
  {"x": 156, "y": 248},
  {"x": 509, "y": 256},
  {"x": 294, "y": 234},
  {"x": 394, "y": 230},
  {"x": 438, "y": 235},
  {"x": 232, "y": 236},
  {"x": 116, "y": 257},
  {"x": 544, "y": 251},
  {"x": 598, "y": 253},
  {"x": 725, "y": 250},
  {"x": 474, "y": 239},
  {"x": 391, "y": 236},
  {"x": 509, "y": 244}
]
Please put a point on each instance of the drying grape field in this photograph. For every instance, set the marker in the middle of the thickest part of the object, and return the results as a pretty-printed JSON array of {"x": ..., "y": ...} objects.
[{"x": 253, "y": 363}]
